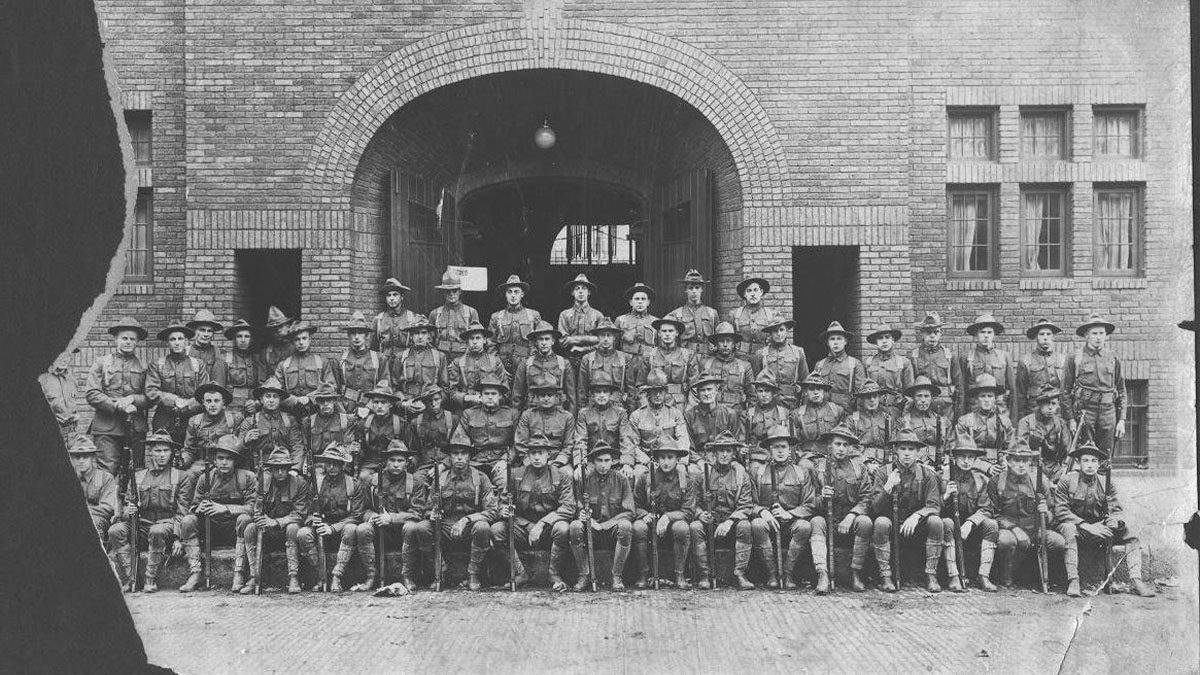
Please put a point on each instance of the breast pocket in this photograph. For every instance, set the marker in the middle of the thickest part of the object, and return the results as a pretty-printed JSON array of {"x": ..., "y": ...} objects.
[
  {"x": 309, "y": 378},
  {"x": 786, "y": 368},
  {"x": 135, "y": 380}
]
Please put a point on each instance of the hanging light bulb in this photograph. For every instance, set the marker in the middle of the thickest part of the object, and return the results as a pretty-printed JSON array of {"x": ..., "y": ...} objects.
[{"x": 544, "y": 137}]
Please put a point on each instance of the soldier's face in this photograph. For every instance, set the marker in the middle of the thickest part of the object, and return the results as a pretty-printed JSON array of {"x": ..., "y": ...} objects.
[
  {"x": 656, "y": 397},
  {"x": 985, "y": 336},
  {"x": 839, "y": 448},
  {"x": 434, "y": 402},
  {"x": 282, "y": 331},
  {"x": 907, "y": 453},
  {"x": 836, "y": 343},
  {"x": 204, "y": 334},
  {"x": 1019, "y": 465},
  {"x": 326, "y": 406},
  {"x": 214, "y": 403},
  {"x": 1096, "y": 336},
  {"x": 870, "y": 402},
  {"x": 397, "y": 463},
  {"x": 694, "y": 293},
  {"x": 764, "y": 395},
  {"x": 666, "y": 460},
  {"x": 160, "y": 454},
  {"x": 1045, "y": 338},
  {"x": 538, "y": 457},
  {"x": 333, "y": 469},
  {"x": 459, "y": 458},
  {"x": 724, "y": 455},
  {"x": 754, "y": 294},
  {"x": 1048, "y": 408},
  {"x": 922, "y": 399},
  {"x": 815, "y": 395},
  {"x": 241, "y": 340},
  {"x": 780, "y": 450},
  {"x": 667, "y": 335},
  {"x": 301, "y": 341},
  {"x": 514, "y": 295},
  {"x": 475, "y": 343},
  {"x": 545, "y": 343},
  {"x": 725, "y": 346},
  {"x": 126, "y": 341},
  {"x": 601, "y": 396},
  {"x": 964, "y": 460},
  {"x": 707, "y": 393},
  {"x": 393, "y": 299},
  {"x": 1089, "y": 465},
  {"x": 778, "y": 334},
  {"x": 452, "y": 297},
  {"x": 177, "y": 342},
  {"x": 603, "y": 463},
  {"x": 607, "y": 340},
  {"x": 271, "y": 400},
  {"x": 279, "y": 473},
  {"x": 420, "y": 338},
  {"x": 223, "y": 461},
  {"x": 884, "y": 343},
  {"x": 81, "y": 463},
  {"x": 358, "y": 339},
  {"x": 581, "y": 293},
  {"x": 639, "y": 301},
  {"x": 986, "y": 401},
  {"x": 379, "y": 406},
  {"x": 545, "y": 399},
  {"x": 931, "y": 336},
  {"x": 490, "y": 398}
]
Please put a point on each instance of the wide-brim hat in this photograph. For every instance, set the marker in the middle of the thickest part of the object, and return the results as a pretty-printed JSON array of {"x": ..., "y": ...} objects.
[
  {"x": 1048, "y": 392},
  {"x": 541, "y": 442},
  {"x": 175, "y": 327},
  {"x": 544, "y": 382},
  {"x": 765, "y": 378},
  {"x": 205, "y": 317},
  {"x": 781, "y": 321},
  {"x": 724, "y": 330},
  {"x": 639, "y": 286},
  {"x": 778, "y": 432},
  {"x": 602, "y": 448},
  {"x": 450, "y": 282},
  {"x": 459, "y": 439},
  {"x": 160, "y": 437},
  {"x": 230, "y": 444},
  {"x": 763, "y": 283},
  {"x": 472, "y": 329},
  {"x": 965, "y": 443},
  {"x": 932, "y": 320},
  {"x": 1021, "y": 449},
  {"x": 334, "y": 452},
  {"x": 693, "y": 277},
  {"x": 82, "y": 445},
  {"x": 603, "y": 380},
  {"x": 815, "y": 380},
  {"x": 606, "y": 325},
  {"x": 655, "y": 379},
  {"x": 580, "y": 279},
  {"x": 271, "y": 384},
  {"x": 212, "y": 386},
  {"x": 835, "y": 328},
  {"x": 724, "y": 439},
  {"x": 670, "y": 445},
  {"x": 881, "y": 330},
  {"x": 905, "y": 436},
  {"x": 381, "y": 390},
  {"x": 666, "y": 320},
  {"x": 276, "y": 317},
  {"x": 513, "y": 280},
  {"x": 544, "y": 328},
  {"x": 922, "y": 382},
  {"x": 984, "y": 383},
  {"x": 1089, "y": 448},
  {"x": 301, "y": 327},
  {"x": 324, "y": 392},
  {"x": 1095, "y": 320},
  {"x": 983, "y": 321},
  {"x": 239, "y": 325},
  {"x": 492, "y": 382},
  {"x": 398, "y": 447},
  {"x": 708, "y": 378},
  {"x": 1032, "y": 332},
  {"x": 128, "y": 323},
  {"x": 358, "y": 323},
  {"x": 842, "y": 431},
  {"x": 429, "y": 391},
  {"x": 393, "y": 284},
  {"x": 422, "y": 323},
  {"x": 870, "y": 388},
  {"x": 279, "y": 457}
]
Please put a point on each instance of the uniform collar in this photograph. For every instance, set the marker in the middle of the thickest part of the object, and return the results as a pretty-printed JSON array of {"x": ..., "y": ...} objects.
[
  {"x": 399, "y": 311},
  {"x": 1093, "y": 352},
  {"x": 177, "y": 357},
  {"x": 581, "y": 307},
  {"x": 931, "y": 350},
  {"x": 985, "y": 350},
  {"x": 508, "y": 308},
  {"x": 1043, "y": 352},
  {"x": 839, "y": 357},
  {"x": 884, "y": 356}
]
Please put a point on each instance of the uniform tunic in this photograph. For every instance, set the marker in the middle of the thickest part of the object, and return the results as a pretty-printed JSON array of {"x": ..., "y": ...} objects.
[
  {"x": 929, "y": 426},
  {"x": 789, "y": 365},
  {"x": 237, "y": 490},
  {"x": 357, "y": 372},
  {"x": 674, "y": 495},
  {"x": 991, "y": 431},
  {"x": 555, "y": 424},
  {"x": 737, "y": 373},
  {"x": 243, "y": 371},
  {"x": 846, "y": 373},
  {"x": 378, "y": 431},
  {"x": 699, "y": 322},
  {"x": 171, "y": 378},
  {"x": 808, "y": 422},
  {"x": 893, "y": 372},
  {"x": 749, "y": 323},
  {"x": 1084, "y": 499},
  {"x": 537, "y": 366},
  {"x": 467, "y": 493},
  {"x": 301, "y": 374},
  {"x": 100, "y": 491},
  {"x": 464, "y": 374},
  {"x": 610, "y": 424},
  {"x": 390, "y": 336},
  {"x": 395, "y": 497},
  {"x": 434, "y": 431},
  {"x": 203, "y": 431},
  {"x": 919, "y": 491},
  {"x": 706, "y": 422},
  {"x": 578, "y": 319},
  {"x": 275, "y": 352},
  {"x": 942, "y": 369},
  {"x": 650, "y": 424},
  {"x": 853, "y": 488},
  {"x": 757, "y": 422},
  {"x": 680, "y": 366},
  {"x": 413, "y": 369},
  {"x": 609, "y": 495},
  {"x": 795, "y": 489},
  {"x": 287, "y": 501},
  {"x": 1012, "y": 500},
  {"x": 59, "y": 389},
  {"x": 210, "y": 356},
  {"x": 637, "y": 334},
  {"x": 542, "y": 495},
  {"x": 321, "y": 430},
  {"x": 1052, "y": 437},
  {"x": 874, "y": 430},
  {"x": 998, "y": 364},
  {"x": 275, "y": 427},
  {"x": 339, "y": 502},
  {"x": 972, "y": 489},
  {"x": 450, "y": 321},
  {"x": 1035, "y": 369},
  {"x": 730, "y": 495},
  {"x": 512, "y": 329},
  {"x": 1094, "y": 385},
  {"x": 160, "y": 497},
  {"x": 491, "y": 432},
  {"x": 617, "y": 365}
]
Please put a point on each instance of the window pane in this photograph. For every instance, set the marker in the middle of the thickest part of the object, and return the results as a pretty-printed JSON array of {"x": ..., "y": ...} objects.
[
  {"x": 1043, "y": 231},
  {"x": 137, "y": 256},
  {"x": 970, "y": 136},
  {"x": 581, "y": 244},
  {"x": 1133, "y": 449},
  {"x": 970, "y": 232},
  {"x": 1117, "y": 225},
  {"x": 1117, "y": 133},
  {"x": 1042, "y": 135}
]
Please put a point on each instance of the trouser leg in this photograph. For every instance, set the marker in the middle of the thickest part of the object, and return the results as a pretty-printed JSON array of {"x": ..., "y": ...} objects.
[
  {"x": 934, "y": 535},
  {"x": 1070, "y": 534},
  {"x": 819, "y": 543},
  {"x": 881, "y": 539}
]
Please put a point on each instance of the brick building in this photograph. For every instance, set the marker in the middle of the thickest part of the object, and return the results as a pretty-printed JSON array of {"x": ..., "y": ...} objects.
[{"x": 873, "y": 160}]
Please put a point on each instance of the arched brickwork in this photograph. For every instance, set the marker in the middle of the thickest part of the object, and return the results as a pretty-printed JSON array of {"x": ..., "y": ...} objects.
[{"x": 590, "y": 46}]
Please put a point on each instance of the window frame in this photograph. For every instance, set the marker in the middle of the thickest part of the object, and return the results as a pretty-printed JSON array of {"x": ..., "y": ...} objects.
[
  {"x": 1137, "y": 425},
  {"x": 1137, "y": 137},
  {"x": 993, "y": 141},
  {"x": 141, "y": 120},
  {"x": 1064, "y": 194},
  {"x": 993, "y": 243},
  {"x": 1064, "y": 134},
  {"x": 1139, "y": 236},
  {"x": 130, "y": 278}
]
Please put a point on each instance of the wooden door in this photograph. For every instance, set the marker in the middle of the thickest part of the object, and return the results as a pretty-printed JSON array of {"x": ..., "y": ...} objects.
[
  {"x": 425, "y": 238},
  {"x": 679, "y": 237}
]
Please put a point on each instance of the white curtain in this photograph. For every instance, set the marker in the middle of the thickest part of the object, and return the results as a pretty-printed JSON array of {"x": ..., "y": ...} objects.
[
  {"x": 1116, "y": 232},
  {"x": 1034, "y": 225},
  {"x": 964, "y": 216}
]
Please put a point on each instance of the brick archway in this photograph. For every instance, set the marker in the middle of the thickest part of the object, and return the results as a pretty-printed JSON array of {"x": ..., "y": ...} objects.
[{"x": 590, "y": 46}]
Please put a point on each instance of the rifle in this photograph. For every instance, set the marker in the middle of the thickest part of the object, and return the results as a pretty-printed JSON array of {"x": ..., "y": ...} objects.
[
  {"x": 512, "y": 521},
  {"x": 710, "y": 529},
  {"x": 896, "y": 528},
  {"x": 954, "y": 515},
  {"x": 208, "y": 525},
  {"x": 829, "y": 525},
  {"x": 653, "y": 527},
  {"x": 131, "y": 492},
  {"x": 1041, "y": 530},
  {"x": 585, "y": 502},
  {"x": 1108, "y": 542},
  {"x": 258, "y": 555},
  {"x": 382, "y": 557},
  {"x": 1071, "y": 447},
  {"x": 320, "y": 538},
  {"x": 778, "y": 526},
  {"x": 437, "y": 527}
]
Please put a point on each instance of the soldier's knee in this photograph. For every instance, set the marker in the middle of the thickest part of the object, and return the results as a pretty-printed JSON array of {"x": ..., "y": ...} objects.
[
  {"x": 118, "y": 534},
  {"x": 697, "y": 528},
  {"x": 1055, "y": 541},
  {"x": 242, "y": 521},
  {"x": 364, "y": 532},
  {"x": 680, "y": 530},
  {"x": 159, "y": 533},
  {"x": 290, "y": 532},
  {"x": 742, "y": 529},
  {"x": 863, "y": 526},
  {"x": 1068, "y": 532},
  {"x": 935, "y": 526},
  {"x": 801, "y": 529},
  {"x": 640, "y": 529},
  {"x": 576, "y": 530},
  {"x": 348, "y": 534},
  {"x": 499, "y": 530},
  {"x": 304, "y": 536},
  {"x": 559, "y": 531},
  {"x": 624, "y": 531},
  {"x": 1005, "y": 539},
  {"x": 251, "y": 530},
  {"x": 758, "y": 527},
  {"x": 989, "y": 529},
  {"x": 1022, "y": 538}
]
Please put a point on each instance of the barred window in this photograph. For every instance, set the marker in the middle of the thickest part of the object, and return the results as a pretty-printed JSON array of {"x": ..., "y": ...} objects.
[
  {"x": 139, "y": 254},
  {"x": 1118, "y": 233},
  {"x": 1044, "y": 231},
  {"x": 138, "y": 122},
  {"x": 1118, "y": 131},
  {"x": 971, "y": 134},
  {"x": 1043, "y": 134},
  {"x": 580, "y": 244},
  {"x": 1133, "y": 449},
  {"x": 971, "y": 237}
]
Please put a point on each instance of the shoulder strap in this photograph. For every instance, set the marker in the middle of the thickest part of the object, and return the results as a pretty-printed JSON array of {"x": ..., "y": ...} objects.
[
  {"x": 409, "y": 482},
  {"x": 229, "y": 418},
  {"x": 683, "y": 476},
  {"x": 286, "y": 363},
  {"x": 228, "y": 358},
  {"x": 1075, "y": 363},
  {"x": 195, "y": 363},
  {"x": 374, "y": 359},
  {"x": 141, "y": 476},
  {"x": 395, "y": 426},
  {"x": 916, "y": 351},
  {"x": 287, "y": 420},
  {"x": 161, "y": 363},
  {"x": 344, "y": 419},
  {"x": 1001, "y": 481}
]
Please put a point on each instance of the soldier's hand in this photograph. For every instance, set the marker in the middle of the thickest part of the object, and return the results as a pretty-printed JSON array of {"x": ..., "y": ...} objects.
[
  {"x": 260, "y": 521},
  {"x": 472, "y": 399},
  {"x": 1120, "y": 430},
  {"x": 435, "y": 514},
  {"x": 1042, "y": 507},
  {"x": 205, "y": 508},
  {"x": 251, "y": 407},
  {"x": 457, "y": 530},
  {"x": 663, "y": 523},
  {"x": 414, "y": 407},
  {"x": 965, "y": 530},
  {"x": 362, "y": 413},
  {"x": 724, "y": 528},
  {"x": 910, "y": 525},
  {"x": 177, "y": 549},
  {"x": 951, "y": 489},
  {"x": 827, "y": 492},
  {"x": 626, "y": 471},
  {"x": 846, "y": 524},
  {"x": 705, "y": 517},
  {"x": 769, "y": 519},
  {"x": 304, "y": 400},
  {"x": 130, "y": 510},
  {"x": 507, "y": 511},
  {"x": 253, "y": 434},
  {"x": 893, "y": 480},
  {"x": 378, "y": 520},
  {"x": 994, "y": 470},
  {"x": 535, "y": 533},
  {"x": 129, "y": 409},
  {"x": 779, "y": 513},
  {"x": 324, "y": 530}
]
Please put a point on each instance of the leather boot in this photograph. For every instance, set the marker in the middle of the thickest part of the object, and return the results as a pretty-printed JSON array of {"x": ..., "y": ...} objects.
[
  {"x": 956, "y": 585},
  {"x": 985, "y": 582},
  {"x": 252, "y": 561},
  {"x": 822, "y": 582},
  {"x": 335, "y": 583},
  {"x": 292, "y": 555},
  {"x": 768, "y": 555},
  {"x": 1015, "y": 559},
  {"x": 293, "y": 584},
  {"x": 153, "y": 560},
  {"x": 704, "y": 583},
  {"x": 620, "y": 556},
  {"x": 314, "y": 561},
  {"x": 520, "y": 576},
  {"x": 643, "y": 551},
  {"x": 556, "y": 583},
  {"x": 476, "y": 561},
  {"x": 680, "y": 550},
  {"x": 741, "y": 560},
  {"x": 366, "y": 553},
  {"x": 579, "y": 552},
  {"x": 125, "y": 561},
  {"x": 1073, "y": 588},
  {"x": 1133, "y": 561},
  {"x": 339, "y": 568},
  {"x": 789, "y": 567},
  {"x": 856, "y": 582},
  {"x": 987, "y": 555},
  {"x": 931, "y": 583},
  {"x": 239, "y": 566},
  {"x": 886, "y": 584},
  {"x": 192, "y": 551},
  {"x": 406, "y": 569},
  {"x": 883, "y": 558}
]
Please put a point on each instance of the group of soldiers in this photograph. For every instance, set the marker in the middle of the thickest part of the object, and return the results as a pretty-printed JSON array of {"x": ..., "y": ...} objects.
[{"x": 629, "y": 433}]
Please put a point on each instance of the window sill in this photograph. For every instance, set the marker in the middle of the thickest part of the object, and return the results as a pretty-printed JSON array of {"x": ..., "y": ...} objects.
[
  {"x": 1047, "y": 283},
  {"x": 135, "y": 289},
  {"x": 1119, "y": 282},
  {"x": 972, "y": 284}
]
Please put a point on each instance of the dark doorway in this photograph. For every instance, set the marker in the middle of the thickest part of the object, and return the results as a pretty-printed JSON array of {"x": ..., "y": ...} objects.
[
  {"x": 266, "y": 277},
  {"x": 548, "y": 231},
  {"x": 825, "y": 288}
]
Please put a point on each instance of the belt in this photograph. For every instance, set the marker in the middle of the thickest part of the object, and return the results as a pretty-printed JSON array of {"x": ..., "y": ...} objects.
[
  {"x": 1096, "y": 396},
  {"x": 450, "y": 345}
]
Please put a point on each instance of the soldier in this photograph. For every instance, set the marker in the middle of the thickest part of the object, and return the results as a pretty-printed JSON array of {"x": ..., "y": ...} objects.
[
  {"x": 1042, "y": 366},
  {"x": 490, "y": 428},
  {"x": 726, "y": 503},
  {"x": 328, "y": 425},
  {"x": 984, "y": 358},
  {"x": 378, "y": 427},
  {"x": 452, "y": 317},
  {"x": 204, "y": 429},
  {"x": 244, "y": 369},
  {"x": 204, "y": 327},
  {"x": 735, "y": 372},
  {"x": 889, "y": 369},
  {"x": 844, "y": 373},
  {"x": 390, "y": 337},
  {"x": 171, "y": 382},
  {"x": 99, "y": 487},
  {"x": 917, "y": 489},
  {"x": 270, "y": 426},
  {"x": 465, "y": 505},
  {"x": 815, "y": 415},
  {"x": 279, "y": 346},
  {"x": 699, "y": 320},
  {"x": 1087, "y": 509},
  {"x": 637, "y": 329},
  {"x": 392, "y": 506},
  {"x": 465, "y": 372},
  {"x": 851, "y": 490},
  {"x": 581, "y": 318},
  {"x": 765, "y": 415},
  {"x": 545, "y": 419},
  {"x": 158, "y": 507},
  {"x": 669, "y": 508},
  {"x": 1014, "y": 501},
  {"x": 511, "y": 326},
  {"x": 615, "y": 364},
  {"x": 653, "y": 423},
  {"x": 1047, "y": 432},
  {"x": 1094, "y": 386},
  {"x": 984, "y": 424},
  {"x": 303, "y": 371},
  {"x": 786, "y": 362},
  {"x": 785, "y": 497},
  {"x": 966, "y": 490},
  {"x": 417, "y": 366},
  {"x": 226, "y": 495},
  {"x": 336, "y": 508},
  {"x": 752, "y": 318},
  {"x": 434, "y": 426},
  {"x": 935, "y": 361},
  {"x": 608, "y": 511},
  {"x": 541, "y": 503},
  {"x": 359, "y": 367},
  {"x": 605, "y": 421},
  {"x": 544, "y": 363},
  {"x": 279, "y": 511},
  {"x": 872, "y": 425},
  {"x": 58, "y": 386},
  {"x": 708, "y": 417},
  {"x": 934, "y": 430},
  {"x": 678, "y": 364}
]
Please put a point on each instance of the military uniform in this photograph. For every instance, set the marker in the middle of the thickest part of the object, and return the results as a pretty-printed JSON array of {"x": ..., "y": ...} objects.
[
  {"x": 433, "y": 430},
  {"x": 677, "y": 363},
  {"x": 1094, "y": 388},
  {"x": 758, "y": 421},
  {"x": 451, "y": 319},
  {"x": 617, "y": 367},
  {"x": 278, "y": 347},
  {"x": 939, "y": 365},
  {"x": 336, "y": 501},
  {"x": 750, "y": 321},
  {"x": 491, "y": 433},
  {"x": 208, "y": 353},
  {"x": 728, "y": 495},
  {"x": 891, "y": 371},
  {"x": 540, "y": 496},
  {"x": 736, "y": 373},
  {"x": 919, "y": 492},
  {"x": 1050, "y": 436},
  {"x": 844, "y": 373},
  {"x": 244, "y": 370},
  {"x": 235, "y": 493},
  {"x": 991, "y": 361},
  {"x": 203, "y": 430},
  {"x": 99, "y": 488},
  {"x": 275, "y": 428},
  {"x": 674, "y": 495},
  {"x": 808, "y": 421},
  {"x": 699, "y": 323},
  {"x": 965, "y": 506},
  {"x": 390, "y": 336},
  {"x": 1012, "y": 501},
  {"x": 465, "y": 373},
  {"x": 706, "y": 422},
  {"x": 511, "y": 327},
  {"x": 319, "y": 430},
  {"x": 1036, "y": 369},
  {"x": 651, "y": 425},
  {"x": 171, "y": 379},
  {"x": 853, "y": 487},
  {"x": 796, "y": 491},
  {"x": 541, "y": 366},
  {"x": 160, "y": 505},
  {"x": 58, "y": 386},
  {"x": 415, "y": 368},
  {"x": 579, "y": 319},
  {"x": 788, "y": 364},
  {"x": 393, "y": 496},
  {"x": 376, "y": 433},
  {"x": 874, "y": 430},
  {"x": 301, "y": 374},
  {"x": 991, "y": 431},
  {"x": 555, "y": 424},
  {"x": 604, "y": 497},
  {"x": 358, "y": 370},
  {"x": 284, "y": 503},
  {"x": 608, "y": 424}
]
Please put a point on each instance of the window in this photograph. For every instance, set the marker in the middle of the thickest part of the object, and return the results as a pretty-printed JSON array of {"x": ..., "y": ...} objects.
[
  {"x": 423, "y": 224},
  {"x": 1118, "y": 233},
  {"x": 1044, "y": 231},
  {"x": 593, "y": 245},
  {"x": 139, "y": 255},
  {"x": 1118, "y": 131},
  {"x": 972, "y": 231},
  {"x": 1043, "y": 134},
  {"x": 971, "y": 134},
  {"x": 138, "y": 122},
  {"x": 1133, "y": 448}
]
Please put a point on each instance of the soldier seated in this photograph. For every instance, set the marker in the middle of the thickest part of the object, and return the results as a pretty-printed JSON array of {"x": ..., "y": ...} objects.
[
  {"x": 336, "y": 509},
  {"x": 666, "y": 501},
  {"x": 278, "y": 513},
  {"x": 156, "y": 509},
  {"x": 907, "y": 499},
  {"x": 99, "y": 487},
  {"x": 392, "y": 508},
  {"x": 786, "y": 499},
  {"x": 1046, "y": 430},
  {"x": 726, "y": 506},
  {"x": 538, "y": 504},
  {"x": 846, "y": 481},
  {"x": 965, "y": 490},
  {"x": 225, "y": 495},
  {"x": 1015, "y": 502},
  {"x": 991, "y": 431},
  {"x": 204, "y": 429},
  {"x": 607, "y": 508},
  {"x": 379, "y": 425},
  {"x": 872, "y": 424}
]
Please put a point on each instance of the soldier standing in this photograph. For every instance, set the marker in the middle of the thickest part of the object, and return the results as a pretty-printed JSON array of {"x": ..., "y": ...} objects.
[
  {"x": 765, "y": 415},
  {"x": 511, "y": 326},
  {"x": 171, "y": 382},
  {"x": 654, "y": 423},
  {"x": 244, "y": 369},
  {"x": 966, "y": 490},
  {"x": 983, "y": 358},
  {"x": 580, "y": 318},
  {"x": 58, "y": 386},
  {"x": 851, "y": 491},
  {"x": 465, "y": 372},
  {"x": 203, "y": 430},
  {"x": 872, "y": 424},
  {"x": 392, "y": 506},
  {"x": 489, "y": 428},
  {"x": 637, "y": 327},
  {"x": 918, "y": 491},
  {"x": 887, "y": 368},
  {"x": 678, "y": 364},
  {"x": 606, "y": 358},
  {"x": 669, "y": 508},
  {"x": 844, "y": 373},
  {"x": 452, "y": 317},
  {"x": 303, "y": 371},
  {"x": 1042, "y": 366},
  {"x": 545, "y": 419},
  {"x": 726, "y": 503},
  {"x": 99, "y": 487},
  {"x": 1087, "y": 509},
  {"x": 278, "y": 513},
  {"x": 327, "y": 425},
  {"x": 1095, "y": 387},
  {"x": 417, "y": 366},
  {"x": 544, "y": 363},
  {"x": 1047, "y": 432},
  {"x": 608, "y": 512},
  {"x": 1014, "y": 501},
  {"x": 984, "y": 424},
  {"x": 270, "y": 427},
  {"x": 379, "y": 426},
  {"x": 934, "y": 430},
  {"x": 735, "y": 372},
  {"x": 359, "y": 367},
  {"x": 698, "y": 318},
  {"x": 815, "y": 415},
  {"x": 226, "y": 495},
  {"x": 336, "y": 509},
  {"x": 605, "y": 421},
  {"x": 935, "y": 361},
  {"x": 204, "y": 327},
  {"x": 786, "y": 362},
  {"x": 278, "y": 346},
  {"x": 786, "y": 499},
  {"x": 390, "y": 337},
  {"x": 158, "y": 506},
  {"x": 542, "y": 505},
  {"x": 752, "y": 317}
]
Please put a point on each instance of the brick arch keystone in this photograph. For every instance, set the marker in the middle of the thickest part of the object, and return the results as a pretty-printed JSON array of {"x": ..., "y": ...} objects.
[{"x": 588, "y": 46}]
